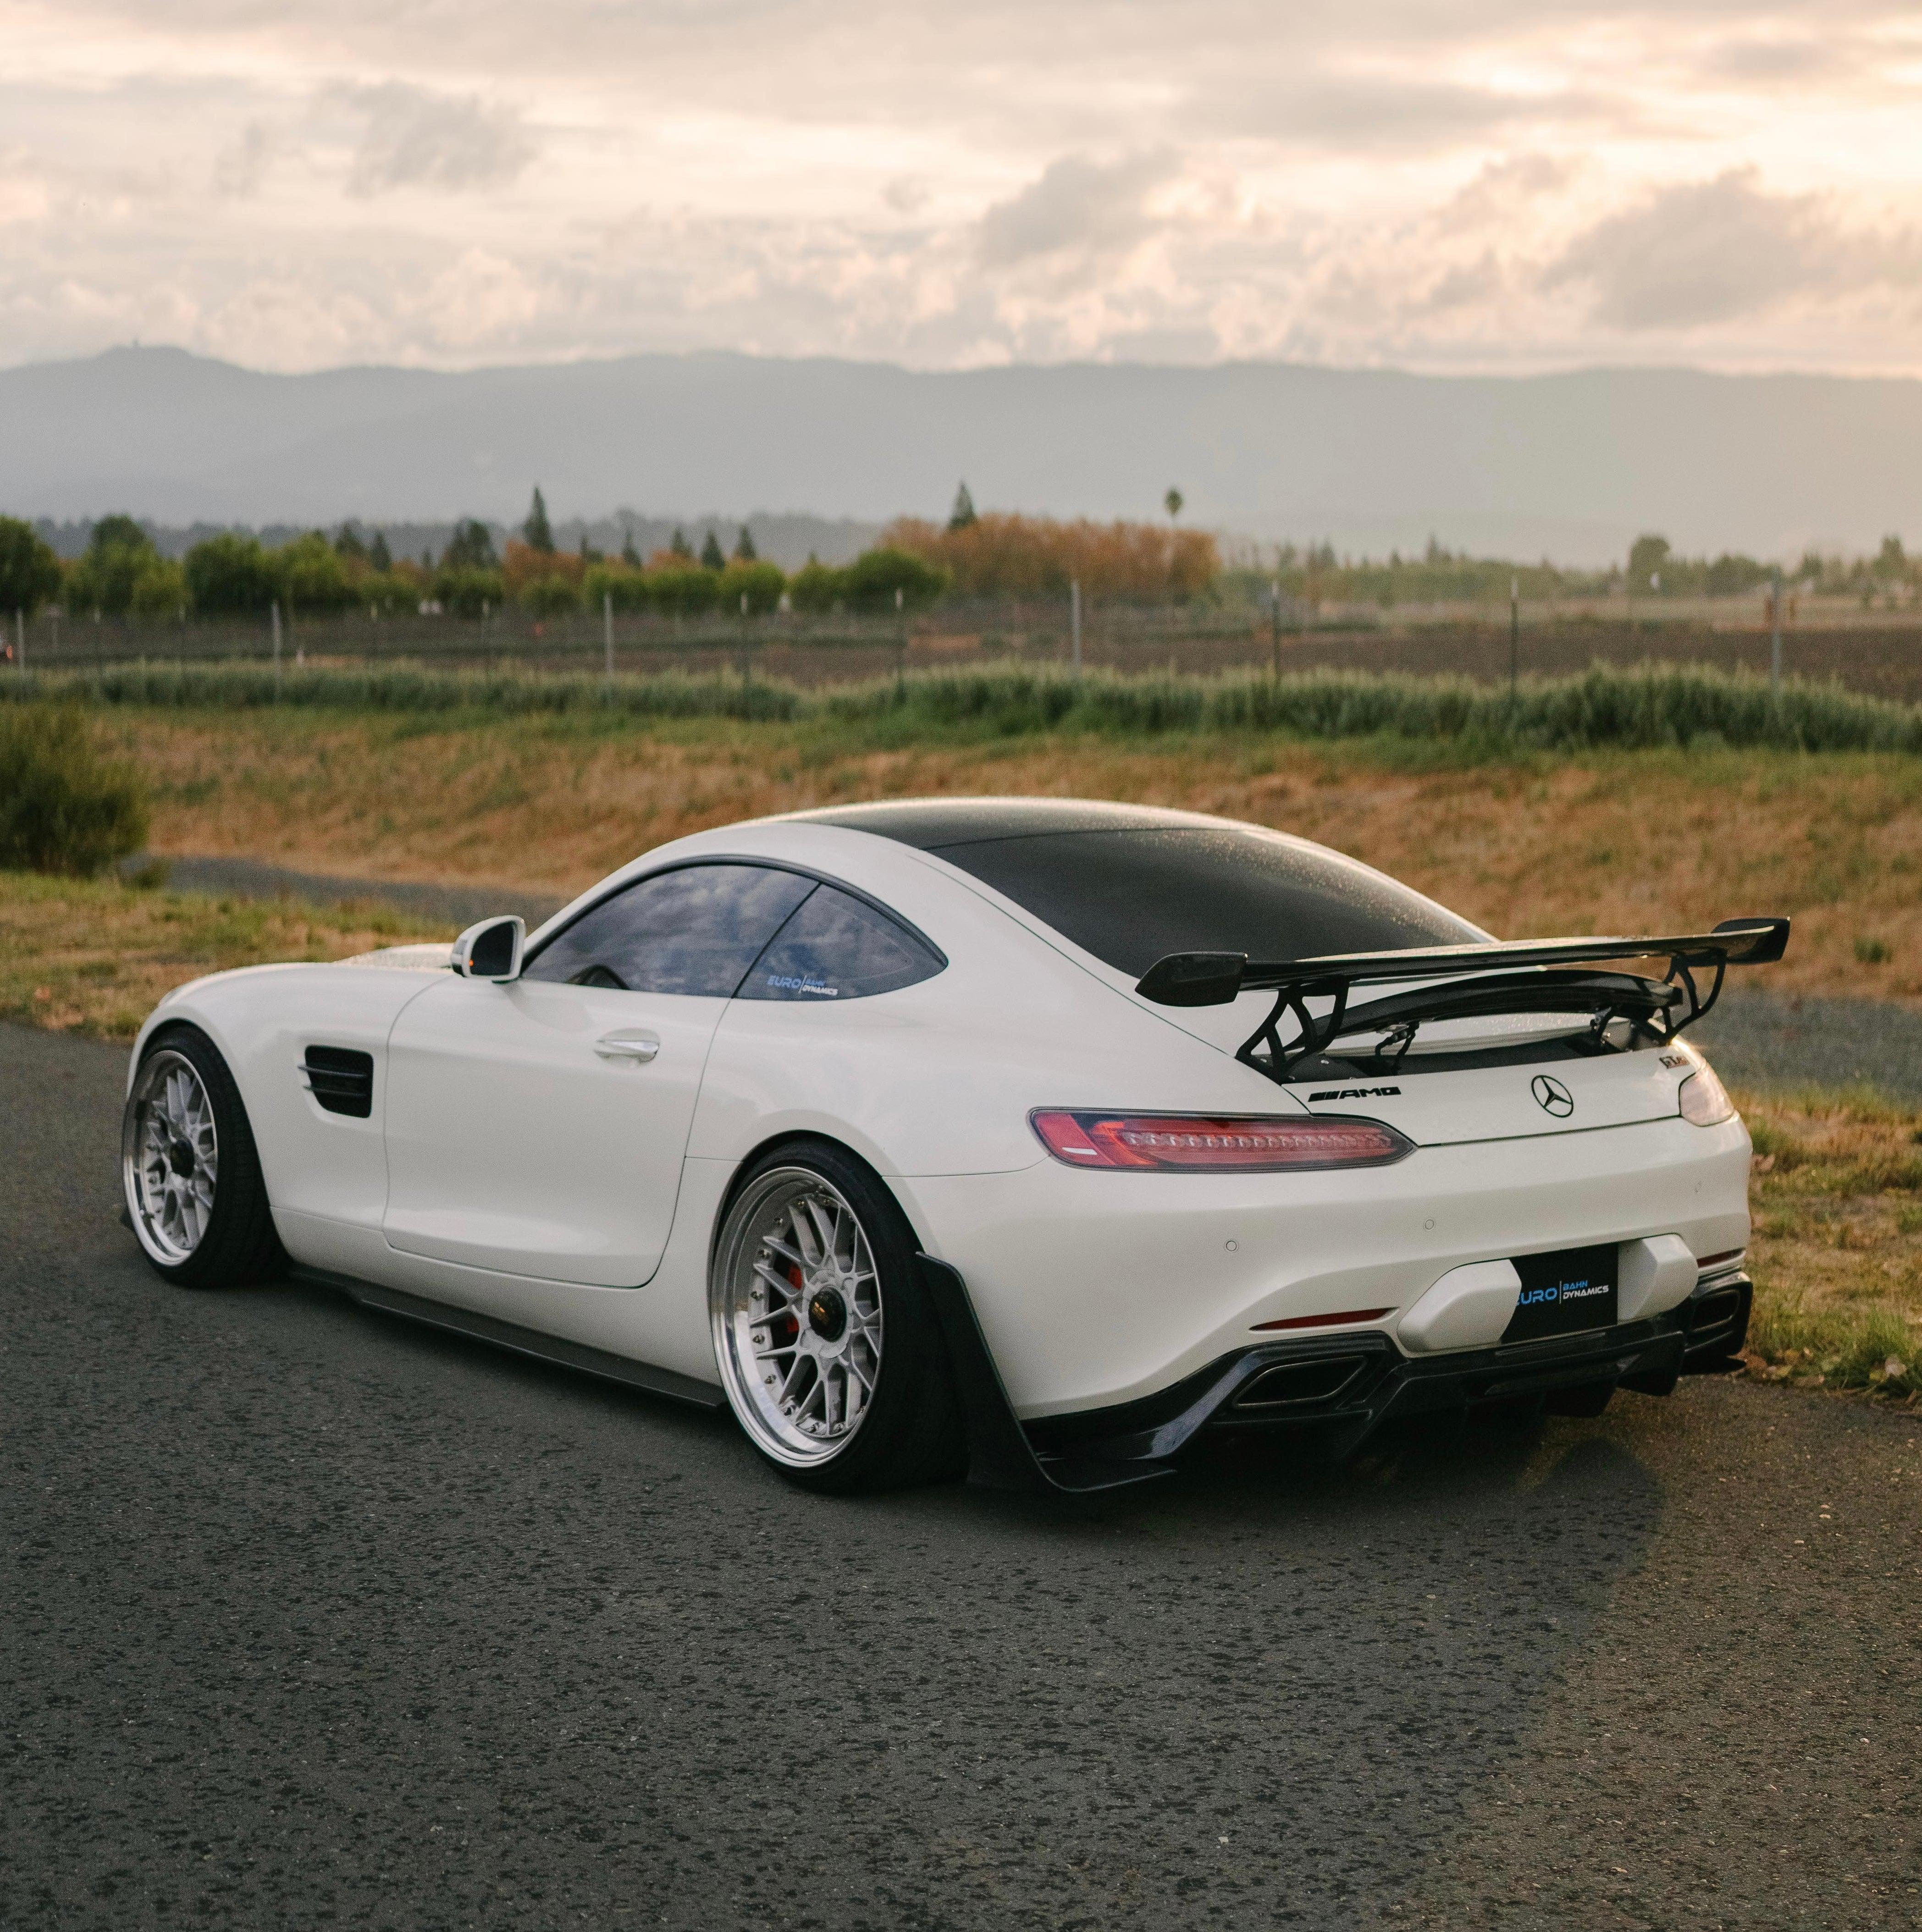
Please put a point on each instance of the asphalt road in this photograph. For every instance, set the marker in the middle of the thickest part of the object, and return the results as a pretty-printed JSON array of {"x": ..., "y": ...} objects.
[{"x": 308, "y": 1617}]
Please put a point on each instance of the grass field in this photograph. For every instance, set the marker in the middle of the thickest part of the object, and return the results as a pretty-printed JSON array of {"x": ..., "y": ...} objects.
[
  {"x": 1525, "y": 844},
  {"x": 93, "y": 957}
]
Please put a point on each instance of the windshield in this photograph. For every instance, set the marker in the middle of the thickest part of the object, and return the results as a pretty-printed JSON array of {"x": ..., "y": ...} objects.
[{"x": 1130, "y": 896}]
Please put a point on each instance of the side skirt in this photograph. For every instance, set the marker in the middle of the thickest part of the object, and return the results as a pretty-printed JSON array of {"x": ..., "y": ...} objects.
[{"x": 518, "y": 1340}]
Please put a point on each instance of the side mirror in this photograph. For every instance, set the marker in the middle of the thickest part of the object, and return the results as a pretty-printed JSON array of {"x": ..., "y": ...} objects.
[{"x": 491, "y": 950}]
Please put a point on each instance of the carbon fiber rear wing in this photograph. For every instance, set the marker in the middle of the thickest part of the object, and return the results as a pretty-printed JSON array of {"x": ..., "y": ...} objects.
[{"x": 1525, "y": 976}]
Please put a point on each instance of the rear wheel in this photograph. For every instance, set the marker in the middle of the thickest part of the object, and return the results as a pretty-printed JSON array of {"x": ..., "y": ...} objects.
[
  {"x": 830, "y": 1354},
  {"x": 190, "y": 1170}
]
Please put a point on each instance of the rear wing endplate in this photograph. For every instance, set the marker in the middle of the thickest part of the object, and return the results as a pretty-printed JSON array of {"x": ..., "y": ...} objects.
[{"x": 1513, "y": 976}]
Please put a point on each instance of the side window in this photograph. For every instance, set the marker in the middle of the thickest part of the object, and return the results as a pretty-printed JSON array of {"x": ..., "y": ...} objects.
[
  {"x": 835, "y": 948},
  {"x": 695, "y": 930}
]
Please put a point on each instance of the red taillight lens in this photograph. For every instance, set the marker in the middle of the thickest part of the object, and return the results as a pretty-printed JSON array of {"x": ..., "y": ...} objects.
[{"x": 1215, "y": 1143}]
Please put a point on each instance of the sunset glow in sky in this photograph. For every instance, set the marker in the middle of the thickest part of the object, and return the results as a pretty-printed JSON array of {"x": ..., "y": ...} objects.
[{"x": 1491, "y": 185}]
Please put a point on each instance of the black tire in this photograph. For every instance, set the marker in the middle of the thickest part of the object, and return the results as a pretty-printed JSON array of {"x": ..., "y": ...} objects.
[
  {"x": 911, "y": 1432},
  {"x": 238, "y": 1245}
]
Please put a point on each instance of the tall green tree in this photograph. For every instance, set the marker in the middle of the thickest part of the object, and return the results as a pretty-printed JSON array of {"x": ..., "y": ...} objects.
[
  {"x": 629, "y": 555},
  {"x": 1646, "y": 555},
  {"x": 711, "y": 558},
  {"x": 1172, "y": 503},
  {"x": 119, "y": 553},
  {"x": 963, "y": 513},
  {"x": 680, "y": 546},
  {"x": 231, "y": 576},
  {"x": 117, "y": 532},
  {"x": 472, "y": 548},
  {"x": 311, "y": 576},
  {"x": 745, "y": 551},
  {"x": 538, "y": 532},
  {"x": 378, "y": 555},
  {"x": 29, "y": 568}
]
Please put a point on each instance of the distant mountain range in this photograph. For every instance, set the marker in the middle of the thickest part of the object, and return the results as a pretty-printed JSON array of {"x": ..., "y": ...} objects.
[{"x": 1570, "y": 467}]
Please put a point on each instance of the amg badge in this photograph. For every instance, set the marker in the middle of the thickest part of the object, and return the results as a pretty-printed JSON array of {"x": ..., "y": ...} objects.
[{"x": 1354, "y": 1093}]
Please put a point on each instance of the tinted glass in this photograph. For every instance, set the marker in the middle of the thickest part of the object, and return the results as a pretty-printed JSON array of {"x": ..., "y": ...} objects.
[
  {"x": 1130, "y": 897},
  {"x": 835, "y": 948},
  {"x": 694, "y": 930}
]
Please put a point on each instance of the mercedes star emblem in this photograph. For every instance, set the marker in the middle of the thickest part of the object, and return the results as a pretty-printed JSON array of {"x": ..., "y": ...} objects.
[{"x": 1552, "y": 1097}]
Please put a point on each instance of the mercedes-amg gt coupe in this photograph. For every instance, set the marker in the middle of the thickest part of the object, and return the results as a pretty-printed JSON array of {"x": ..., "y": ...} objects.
[{"x": 1027, "y": 1139}]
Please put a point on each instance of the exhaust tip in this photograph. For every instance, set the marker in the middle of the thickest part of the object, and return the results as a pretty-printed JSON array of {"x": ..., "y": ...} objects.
[{"x": 1290, "y": 1385}]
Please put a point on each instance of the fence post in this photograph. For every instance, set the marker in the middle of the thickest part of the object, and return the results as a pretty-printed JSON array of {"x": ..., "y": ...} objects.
[
  {"x": 1514, "y": 636},
  {"x": 277, "y": 647},
  {"x": 20, "y": 636},
  {"x": 1275, "y": 615},
  {"x": 747, "y": 663},
  {"x": 1075, "y": 621},
  {"x": 608, "y": 637},
  {"x": 901, "y": 647},
  {"x": 1775, "y": 634}
]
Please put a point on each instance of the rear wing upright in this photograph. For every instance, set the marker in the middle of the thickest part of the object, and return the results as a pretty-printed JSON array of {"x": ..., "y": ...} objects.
[{"x": 1523, "y": 975}]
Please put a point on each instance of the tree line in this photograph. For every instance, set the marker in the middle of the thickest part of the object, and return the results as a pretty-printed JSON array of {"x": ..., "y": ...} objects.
[
  {"x": 988, "y": 556},
  {"x": 121, "y": 573}
]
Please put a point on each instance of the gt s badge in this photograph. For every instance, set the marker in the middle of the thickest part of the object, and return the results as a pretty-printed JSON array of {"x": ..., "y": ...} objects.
[{"x": 1354, "y": 1092}]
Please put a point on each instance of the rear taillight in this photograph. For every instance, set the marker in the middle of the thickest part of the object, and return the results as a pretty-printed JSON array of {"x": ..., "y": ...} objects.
[
  {"x": 1703, "y": 1100},
  {"x": 1216, "y": 1143}
]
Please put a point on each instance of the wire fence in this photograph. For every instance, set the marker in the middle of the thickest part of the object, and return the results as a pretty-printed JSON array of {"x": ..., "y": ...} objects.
[{"x": 1881, "y": 654}]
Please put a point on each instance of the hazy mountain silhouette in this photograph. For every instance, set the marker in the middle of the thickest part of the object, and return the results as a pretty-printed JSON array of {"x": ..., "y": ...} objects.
[{"x": 1571, "y": 466}]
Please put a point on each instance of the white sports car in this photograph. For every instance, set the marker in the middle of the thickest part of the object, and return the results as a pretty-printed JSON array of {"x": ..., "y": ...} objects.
[{"x": 1022, "y": 1138}]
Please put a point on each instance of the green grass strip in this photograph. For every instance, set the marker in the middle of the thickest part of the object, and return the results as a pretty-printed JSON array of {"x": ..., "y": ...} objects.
[{"x": 1636, "y": 706}]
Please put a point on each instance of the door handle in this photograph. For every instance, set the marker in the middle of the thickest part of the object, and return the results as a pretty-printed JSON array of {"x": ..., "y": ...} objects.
[{"x": 640, "y": 1046}]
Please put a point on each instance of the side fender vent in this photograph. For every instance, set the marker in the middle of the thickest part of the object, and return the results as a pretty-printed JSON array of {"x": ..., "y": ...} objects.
[{"x": 341, "y": 1079}]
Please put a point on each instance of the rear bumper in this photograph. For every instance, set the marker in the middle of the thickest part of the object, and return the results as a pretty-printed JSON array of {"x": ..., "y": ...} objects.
[
  {"x": 1095, "y": 1289},
  {"x": 1346, "y": 1387}
]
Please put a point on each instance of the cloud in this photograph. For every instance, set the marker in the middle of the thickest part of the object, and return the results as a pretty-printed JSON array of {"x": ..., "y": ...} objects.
[
  {"x": 1353, "y": 114},
  {"x": 1077, "y": 207},
  {"x": 1503, "y": 190},
  {"x": 1720, "y": 250},
  {"x": 411, "y": 137},
  {"x": 1766, "y": 60},
  {"x": 239, "y": 170}
]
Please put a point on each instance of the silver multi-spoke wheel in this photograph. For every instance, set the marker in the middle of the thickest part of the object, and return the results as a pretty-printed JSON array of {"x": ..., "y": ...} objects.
[
  {"x": 796, "y": 1302},
  {"x": 170, "y": 1157}
]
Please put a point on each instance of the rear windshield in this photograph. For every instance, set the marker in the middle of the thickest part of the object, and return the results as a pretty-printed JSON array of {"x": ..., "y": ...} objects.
[{"x": 1132, "y": 896}]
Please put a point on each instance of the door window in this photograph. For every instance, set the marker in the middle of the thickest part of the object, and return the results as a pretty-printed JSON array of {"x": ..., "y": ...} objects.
[
  {"x": 836, "y": 948},
  {"x": 696, "y": 930}
]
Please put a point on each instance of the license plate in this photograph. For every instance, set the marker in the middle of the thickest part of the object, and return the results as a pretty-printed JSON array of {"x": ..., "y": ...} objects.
[{"x": 1564, "y": 1293}]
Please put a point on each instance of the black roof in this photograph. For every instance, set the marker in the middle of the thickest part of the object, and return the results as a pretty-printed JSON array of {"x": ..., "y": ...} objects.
[
  {"x": 1131, "y": 883},
  {"x": 930, "y": 824}
]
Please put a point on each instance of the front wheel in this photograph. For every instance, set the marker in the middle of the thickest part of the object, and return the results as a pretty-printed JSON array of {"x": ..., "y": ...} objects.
[
  {"x": 189, "y": 1169},
  {"x": 830, "y": 1354}
]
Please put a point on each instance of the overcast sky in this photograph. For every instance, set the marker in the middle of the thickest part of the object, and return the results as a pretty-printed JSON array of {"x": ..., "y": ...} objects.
[{"x": 1497, "y": 185}]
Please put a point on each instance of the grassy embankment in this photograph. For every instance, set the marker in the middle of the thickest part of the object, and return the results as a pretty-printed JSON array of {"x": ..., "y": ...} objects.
[{"x": 1526, "y": 839}]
